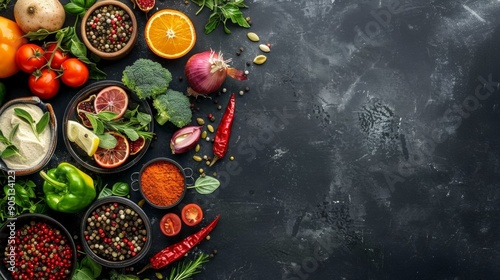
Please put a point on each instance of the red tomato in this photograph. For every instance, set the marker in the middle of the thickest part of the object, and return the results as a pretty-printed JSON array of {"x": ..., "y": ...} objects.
[
  {"x": 170, "y": 224},
  {"x": 192, "y": 214},
  {"x": 58, "y": 58},
  {"x": 29, "y": 57},
  {"x": 75, "y": 73},
  {"x": 44, "y": 84}
]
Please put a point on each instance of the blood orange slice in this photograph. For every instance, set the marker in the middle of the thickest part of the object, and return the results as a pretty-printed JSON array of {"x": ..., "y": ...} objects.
[
  {"x": 112, "y": 99},
  {"x": 137, "y": 145},
  {"x": 114, "y": 157}
]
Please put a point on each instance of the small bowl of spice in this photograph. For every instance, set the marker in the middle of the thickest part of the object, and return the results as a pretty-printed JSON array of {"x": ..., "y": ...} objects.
[
  {"x": 37, "y": 247},
  {"x": 116, "y": 232},
  {"x": 162, "y": 182},
  {"x": 109, "y": 29},
  {"x": 29, "y": 128}
]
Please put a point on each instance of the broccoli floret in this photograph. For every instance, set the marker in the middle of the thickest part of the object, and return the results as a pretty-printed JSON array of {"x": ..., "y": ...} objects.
[
  {"x": 146, "y": 78},
  {"x": 173, "y": 106}
]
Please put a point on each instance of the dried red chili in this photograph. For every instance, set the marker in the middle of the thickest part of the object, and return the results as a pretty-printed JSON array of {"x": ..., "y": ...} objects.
[
  {"x": 223, "y": 133},
  {"x": 176, "y": 251}
]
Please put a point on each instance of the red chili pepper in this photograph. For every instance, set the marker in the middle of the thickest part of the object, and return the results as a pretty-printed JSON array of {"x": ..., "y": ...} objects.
[
  {"x": 223, "y": 133},
  {"x": 176, "y": 251}
]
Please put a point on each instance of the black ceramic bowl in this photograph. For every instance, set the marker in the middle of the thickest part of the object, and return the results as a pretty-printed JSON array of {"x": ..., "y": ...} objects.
[
  {"x": 150, "y": 197},
  {"x": 108, "y": 232},
  {"x": 14, "y": 225},
  {"x": 71, "y": 114}
]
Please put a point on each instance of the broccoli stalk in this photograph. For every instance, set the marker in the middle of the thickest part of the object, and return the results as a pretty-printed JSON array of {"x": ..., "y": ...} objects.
[{"x": 173, "y": 106}]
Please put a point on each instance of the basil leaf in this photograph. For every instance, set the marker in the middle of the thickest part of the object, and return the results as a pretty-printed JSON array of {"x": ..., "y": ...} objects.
[
  {"x": 106, "y": 115},
  {"x": 9, "y": 151},
  {"x": 107, "y": 141},
  {"x": 205, "y": 185},
  {"x": 39, "y": 35},
  {"x": 74, "y": 8},
  {"x": 130, "y": 133},
  {"x": 105, "y": 192},
  {"x": 88, "y": 3},
  {"x": 4, "y": 139},
  {"x": 12, "y": 132},
  {"x": 79, "y": 3},
  {"x": 23, "y": 114},
  {"x": 144, "y": 118},
  {"x": 94, "y": 267},
  {"x": 42, "y": 123},
  {"x": 120, "y": 189}
]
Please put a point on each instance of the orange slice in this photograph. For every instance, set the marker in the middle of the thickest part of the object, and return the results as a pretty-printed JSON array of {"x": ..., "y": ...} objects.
[
  {"x": 114, "y": 157},
  {"x": 170, "y": 34},
  {"x": 112, "y": 99}
]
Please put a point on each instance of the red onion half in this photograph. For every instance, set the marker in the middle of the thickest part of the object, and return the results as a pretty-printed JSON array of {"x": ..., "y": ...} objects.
[
  {"x": 207, "y": 71},
  {"x": 185, "y": 139}
]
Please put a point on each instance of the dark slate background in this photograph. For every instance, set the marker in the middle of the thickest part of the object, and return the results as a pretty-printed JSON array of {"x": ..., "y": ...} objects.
[{"x": 366, "y": 147}]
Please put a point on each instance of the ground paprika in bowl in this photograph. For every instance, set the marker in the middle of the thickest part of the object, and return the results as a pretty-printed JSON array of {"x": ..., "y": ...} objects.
[{"x": 162, "y": 182}]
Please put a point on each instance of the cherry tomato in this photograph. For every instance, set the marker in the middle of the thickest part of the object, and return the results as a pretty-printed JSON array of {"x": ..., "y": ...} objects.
[
  {"x": 10, "y": 40},
  {"x": 58, "y": 58},
  {"x": 44, "y": 83},
  {"x": 75, "y": 73},
  {"x": 170, "y": 224},
  {"x": 29, "y": 57},
  {"x": 192, "y": 214}
]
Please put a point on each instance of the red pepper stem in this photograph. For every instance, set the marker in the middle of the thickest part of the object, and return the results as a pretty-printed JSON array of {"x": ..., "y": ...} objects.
[
  {"x": 213, "y": 160},
  {"x": 144, "y": 269}
]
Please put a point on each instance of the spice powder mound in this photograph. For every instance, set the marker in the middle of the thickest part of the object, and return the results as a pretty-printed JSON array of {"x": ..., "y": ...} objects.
[{"x": 162, "y": 183}]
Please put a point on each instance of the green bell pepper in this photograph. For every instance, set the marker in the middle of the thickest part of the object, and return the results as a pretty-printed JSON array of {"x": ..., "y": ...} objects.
[{"x": 68, "y": 189}]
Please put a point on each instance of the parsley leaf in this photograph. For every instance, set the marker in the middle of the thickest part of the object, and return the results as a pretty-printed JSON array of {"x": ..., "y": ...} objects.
[{"x": 221, "y": 12}]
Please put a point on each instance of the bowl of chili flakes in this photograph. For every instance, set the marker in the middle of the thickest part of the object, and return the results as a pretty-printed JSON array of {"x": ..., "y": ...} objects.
[{"x": 162, "y": 182}]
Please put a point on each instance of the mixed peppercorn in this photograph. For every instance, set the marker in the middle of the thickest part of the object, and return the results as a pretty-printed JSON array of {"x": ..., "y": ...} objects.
[
  {"x": 41, "y": 252},
  {"x": 115, "y": 232},
  {"x": 109, "y": 28}
]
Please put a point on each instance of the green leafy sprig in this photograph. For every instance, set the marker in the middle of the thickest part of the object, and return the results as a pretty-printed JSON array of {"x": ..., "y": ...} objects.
[
  {"x": 25, "y": 200},
  {"x": 10, "y": 148},
  {"x": 187, "y": 269},
  {"x": 3, "y": 4},
  {"x": 222, "y": 11},
  {"x": 134, "y": 124},
  {"x": 205, "y": 184},
  {"x": 87, "y": 269},
  {"x": 37, "y": 127}
]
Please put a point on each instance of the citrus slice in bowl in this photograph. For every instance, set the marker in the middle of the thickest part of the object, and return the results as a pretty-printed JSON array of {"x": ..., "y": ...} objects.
[
  {"x": 113, "y": 157},
  {"x": 82, "y": 137},
  {"x": 112, "y": 99},
  {"x": 170, "y": 34}
]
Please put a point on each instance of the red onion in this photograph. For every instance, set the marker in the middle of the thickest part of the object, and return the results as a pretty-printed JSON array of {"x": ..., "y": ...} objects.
[
  {"x": 185, "y": 139},
  {"x": 207, "y": 71}
]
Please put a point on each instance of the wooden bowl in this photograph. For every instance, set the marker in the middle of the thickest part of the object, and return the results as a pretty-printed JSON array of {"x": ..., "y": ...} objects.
[{"x": 115, "y": 54}]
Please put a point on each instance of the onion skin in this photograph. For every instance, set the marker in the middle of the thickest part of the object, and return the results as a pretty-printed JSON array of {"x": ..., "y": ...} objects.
[
  {"x": 207, "y": 71},
  {"x": 185, "y": 139}
]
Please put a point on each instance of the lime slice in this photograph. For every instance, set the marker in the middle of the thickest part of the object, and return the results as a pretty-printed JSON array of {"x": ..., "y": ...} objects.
[{"x": 83, "y": 137}]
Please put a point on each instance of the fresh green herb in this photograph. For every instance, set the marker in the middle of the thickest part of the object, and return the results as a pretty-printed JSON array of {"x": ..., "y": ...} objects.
[
  {"x": 10, "y": 148},
  {"x": 222, "y": 11},
  {"x": 118, "y": 189},
  {"x": 115, "y": 275},
  {"x": 24, "y": 196},
  {"x": 68, "y": 39},
  {"x": 37, "y": 127},
  {"x": 78, "y": 7},
  {"x": 87, "y": 269},
  {"x": 205, "y": 184},
  {"x": 134, "y": 126},
  {"x": 187, "y": 269},
  {"x": 3, "y": 4},
  {"x": 146, "y": 78}
]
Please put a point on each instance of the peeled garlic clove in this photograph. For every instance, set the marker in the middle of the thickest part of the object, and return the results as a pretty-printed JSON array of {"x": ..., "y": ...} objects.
[
  {"x": 264, "y": 48},
  {"x": 185, "y": 139}
]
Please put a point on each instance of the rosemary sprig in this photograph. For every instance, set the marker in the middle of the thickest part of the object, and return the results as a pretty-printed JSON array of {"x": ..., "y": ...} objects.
[{"x": 187, "y": 269}]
